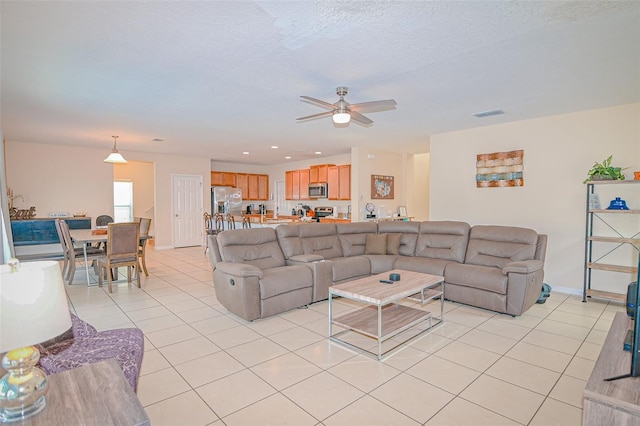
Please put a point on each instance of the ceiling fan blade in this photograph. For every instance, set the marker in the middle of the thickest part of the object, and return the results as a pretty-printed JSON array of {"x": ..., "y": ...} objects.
[
  {"x": 356, "y": 116},
  {"x": 387, "y": 103},
  {"x": 322, "y": 114},
  {"x": 319, "y": 102}
]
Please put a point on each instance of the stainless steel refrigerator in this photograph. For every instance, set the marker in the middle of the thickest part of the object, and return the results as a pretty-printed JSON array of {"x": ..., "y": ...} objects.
[{"x": 225, "y": 199}]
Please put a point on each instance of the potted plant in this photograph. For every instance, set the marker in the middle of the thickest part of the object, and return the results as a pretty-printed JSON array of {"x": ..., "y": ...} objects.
[{"x": 604, "y": 171}]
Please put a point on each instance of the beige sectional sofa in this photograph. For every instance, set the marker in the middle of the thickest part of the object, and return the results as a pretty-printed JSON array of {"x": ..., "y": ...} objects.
[{"x": 262, "y": 272}]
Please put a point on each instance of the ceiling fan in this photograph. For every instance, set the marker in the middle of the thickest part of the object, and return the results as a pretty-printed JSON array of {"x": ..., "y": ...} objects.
[{"x": 342, "y": 111}]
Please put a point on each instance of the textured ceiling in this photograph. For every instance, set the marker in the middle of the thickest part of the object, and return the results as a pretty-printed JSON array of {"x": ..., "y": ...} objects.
[{"x": 215, "y": 79}]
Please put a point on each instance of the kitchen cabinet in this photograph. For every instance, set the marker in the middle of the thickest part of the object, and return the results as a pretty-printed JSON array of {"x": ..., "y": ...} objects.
[
  {"x": 242, "y": 183},
  {"x": 334, "y": 220},
  {"x": 319, "y": 173},
  {"x": 344, "y": 182},
  {"x": 253, "y": 186},
  {"x": 613, "y": 222},
  {"x": 333, "y": 183},
  {"x": 252, "y": 193},
  {"x": 263, "y": 187},
  {"x": 304, "y": 184},
  {"x": 288, "y": 185},
  {"x": 223, "y": 178},
  {"x": 297, "y": 184},
  {"x": 339, "y": 182}
]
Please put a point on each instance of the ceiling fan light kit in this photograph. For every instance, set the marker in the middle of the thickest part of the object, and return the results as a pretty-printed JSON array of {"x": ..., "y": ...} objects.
[
  {"x": 342, "y": 112},
  {"x": 341, "y": 117}
]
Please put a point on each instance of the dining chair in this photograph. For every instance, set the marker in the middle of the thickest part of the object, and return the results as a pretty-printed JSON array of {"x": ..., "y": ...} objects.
[
  {"x": 73, "y": 254},
  {"x": 103, "y": 220},
  {"x": 145, "y": 225},
  {"x": 123, "y": 240}
]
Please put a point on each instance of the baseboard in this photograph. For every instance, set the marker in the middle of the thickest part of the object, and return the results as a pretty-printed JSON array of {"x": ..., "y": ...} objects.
[{"x": 568, "y": 290}]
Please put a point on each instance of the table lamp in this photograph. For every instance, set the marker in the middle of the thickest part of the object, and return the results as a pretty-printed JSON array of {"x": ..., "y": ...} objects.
[{"x": 33, "y": 309}]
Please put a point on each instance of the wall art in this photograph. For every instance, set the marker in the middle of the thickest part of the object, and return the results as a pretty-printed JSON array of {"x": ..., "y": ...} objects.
[
  {"x": 500, "y": 169},
  {"x": 381, "y": 187}
]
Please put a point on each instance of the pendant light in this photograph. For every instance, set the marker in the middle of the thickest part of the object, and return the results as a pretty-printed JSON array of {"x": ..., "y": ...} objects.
[{"x": 115, "y": 156}]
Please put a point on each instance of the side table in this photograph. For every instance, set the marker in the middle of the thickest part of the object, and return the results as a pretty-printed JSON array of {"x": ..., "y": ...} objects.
[{"x": 95, "y": 394}]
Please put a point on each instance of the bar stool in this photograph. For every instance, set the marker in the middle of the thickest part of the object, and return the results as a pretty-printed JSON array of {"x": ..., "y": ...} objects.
[
  {"x": 246, "y": 222},
  {"x": 231, "y": 224}
]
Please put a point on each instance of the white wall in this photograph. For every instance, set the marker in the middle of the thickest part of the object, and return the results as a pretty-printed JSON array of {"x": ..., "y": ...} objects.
[
  {"x": 75, "y": 179},
  {"x": 558, "y": 152}
]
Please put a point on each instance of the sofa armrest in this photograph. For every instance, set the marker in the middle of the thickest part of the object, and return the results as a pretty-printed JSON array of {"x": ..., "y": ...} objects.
[
  {"x": 239, "y": 269},
  {"x": 523, "y": 267},
  {"x": 303, "y": 258}
]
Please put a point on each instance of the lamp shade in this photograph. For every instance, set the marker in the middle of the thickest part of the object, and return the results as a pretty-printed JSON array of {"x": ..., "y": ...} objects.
[
  {"x": 115, "y": 157},
  {"x": 33, "y": 304}
]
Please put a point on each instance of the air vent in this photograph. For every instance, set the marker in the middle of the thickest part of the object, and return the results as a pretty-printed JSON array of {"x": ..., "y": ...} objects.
[{"x": 488, "y": 113}]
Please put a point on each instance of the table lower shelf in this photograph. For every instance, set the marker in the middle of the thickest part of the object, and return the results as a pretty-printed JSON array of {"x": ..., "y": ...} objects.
[
  {"x": 395, "y": 319},
  {"x": 600, "y": 294}
]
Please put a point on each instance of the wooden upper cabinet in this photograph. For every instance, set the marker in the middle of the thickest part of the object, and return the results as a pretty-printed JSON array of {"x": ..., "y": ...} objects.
[
  {"x": 242, "y": 182},
  {"x": 344, "y": 172},
  {"x": 295, "y": 184},
  {"x": 319, "y": 173},
  {"x": 216, "y": 178},
  {"x": 223, "y": 178},
  {"x": 304, "y": 185},
  {"x": 339, "y": 182},
  {"x": 253, "y": 187},
  {"x": 288, "y": 185},
  {"x": 263, "y": 187},
  {"x": 333, "y": 183}
]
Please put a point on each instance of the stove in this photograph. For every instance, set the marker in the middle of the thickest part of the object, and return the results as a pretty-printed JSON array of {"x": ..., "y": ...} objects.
[{"x": 323, "y": 212}]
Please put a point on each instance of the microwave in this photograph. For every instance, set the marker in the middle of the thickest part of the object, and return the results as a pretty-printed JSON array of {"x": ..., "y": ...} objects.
[{"x": 317, "y": 190}]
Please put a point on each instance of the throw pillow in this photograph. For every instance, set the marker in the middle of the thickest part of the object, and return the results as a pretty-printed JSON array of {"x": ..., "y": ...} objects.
[
  {"x": 376, "y": 244},
  {"x": 393, "y": 243}
]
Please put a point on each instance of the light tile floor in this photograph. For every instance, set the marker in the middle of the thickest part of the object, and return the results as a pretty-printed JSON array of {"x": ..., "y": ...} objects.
[{"x": 203, "y": 365}]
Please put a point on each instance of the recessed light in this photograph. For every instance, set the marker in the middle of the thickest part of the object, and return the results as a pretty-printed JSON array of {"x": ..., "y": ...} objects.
[
  {"x": 246, "y": 152},
  {"x": 318, "y": 152},
  {"x": 274, "y": 146},
  {"x": 287, "y": 158}
]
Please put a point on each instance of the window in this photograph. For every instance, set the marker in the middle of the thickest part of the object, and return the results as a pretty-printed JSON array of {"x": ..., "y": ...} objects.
[{"x": 123, "y": 201}]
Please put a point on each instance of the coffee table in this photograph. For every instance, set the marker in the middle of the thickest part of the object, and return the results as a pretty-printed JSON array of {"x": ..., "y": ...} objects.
[{"x": 383, "y": 318}]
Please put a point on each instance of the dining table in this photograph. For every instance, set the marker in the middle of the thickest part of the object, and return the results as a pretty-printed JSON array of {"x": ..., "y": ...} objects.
[{"x": 86, "y": 237}]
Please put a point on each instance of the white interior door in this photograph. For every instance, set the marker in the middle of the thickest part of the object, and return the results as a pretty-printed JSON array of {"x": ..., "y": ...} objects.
[{"x": 187, "y": 211}]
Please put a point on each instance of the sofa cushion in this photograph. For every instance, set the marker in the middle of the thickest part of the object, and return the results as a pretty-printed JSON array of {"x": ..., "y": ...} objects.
[
  {"x": 376, "y": 244},
  {"x": 284, "y": 279},
  {"x": 421, "y": 264},
  {"x": 346, "y": 268},
  {"x": 409, "y": 231},
  {"x": 289, "y": 240},
  {"x": 382, "y": 262},
  {"x": 352, "y": 236},
  {"x": 444, "y": 240},
  {"x": 257, "y": 247},
  {"x": 320, "y": 238},
  {"x": 479, "y": 277},
  {"x": 498, "y": 245},
  {"x": 393, "y": 243}
]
